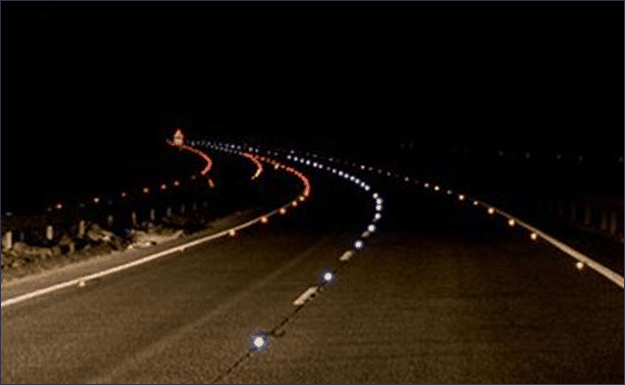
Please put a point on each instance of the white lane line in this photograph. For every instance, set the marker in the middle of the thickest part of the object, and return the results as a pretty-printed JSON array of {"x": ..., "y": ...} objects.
[
  {"x": 346, "y": 256},
  {"x": 80, "y": 281},
  {"x": 619, "y": 280},
  {"x": 596, "y": 266},
  {"x": 305, "y": 296}
]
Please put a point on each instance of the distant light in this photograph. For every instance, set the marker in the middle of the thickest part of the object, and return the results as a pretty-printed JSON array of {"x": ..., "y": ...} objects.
[
  {"x": 558, "y": 156},
  {"x": 367, "y": 188},
  {"x": 475, "y": 203},
  {"x": 359, "y": 244},
  {"x": 375, "y": 195},
  {"x": 176, "y": 183},
  {"x": 436, "y": 188},
  {"x": 371, "y": 228},
  {"x": 407, "y": 179},
  {"x": 232, "y": 233},
  {"x": 328, "y": 277},
  {"x": 533, "y": 236},
  {"x": 511, "y": 222},
  {"x": 461, "y": 197},
  {"x": 264, "y": 219},
  {"x": 301, "y": 198},
  {"x": 59, "y": 206},
  {"x": 96, "y": 200},
  {"x": 377, "y": 216},
  {"x": 163, "y": 187},
  {"x": 491, "y": 210},
  {"x": 579, "y": 265},
  {"x": 378, "y": 208},
  {"x": 427, "y": 185},
  {"x": 448, "y": 192},
  {"x": 379, "y": 201},
  {"x": 123, "y": 195},
  {"x": 294, "y": 204},
  {"x": 146, "y": 190},
  {"x": 282, "y": 211}
]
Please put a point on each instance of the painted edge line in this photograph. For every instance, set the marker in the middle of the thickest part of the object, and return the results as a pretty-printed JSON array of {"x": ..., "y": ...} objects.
[
  {"x": 596, "y": 266},
  {"x": 141, "y": 261},
  {"x": 82, "y": 280}
]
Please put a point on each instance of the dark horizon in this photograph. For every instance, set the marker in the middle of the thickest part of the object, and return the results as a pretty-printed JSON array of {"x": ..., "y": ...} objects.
[{"x": 98, "y": 87}]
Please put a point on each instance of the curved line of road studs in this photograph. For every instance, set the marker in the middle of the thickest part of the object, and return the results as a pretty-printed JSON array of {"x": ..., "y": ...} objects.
[
  {"x": 145, "y": 190},
  {"x": 327, "y": 276},
  {"x": 581, "y": 259},
  {"x": 81, "y": 282}
]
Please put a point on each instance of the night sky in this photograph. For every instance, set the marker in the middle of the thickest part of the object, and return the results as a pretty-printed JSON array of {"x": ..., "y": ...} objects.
[{"x": 90, "y": 90}]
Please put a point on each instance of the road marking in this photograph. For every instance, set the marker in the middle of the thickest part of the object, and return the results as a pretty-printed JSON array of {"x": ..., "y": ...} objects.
[
  {"x": 82, "y": 280},
  {"x": 346, "y": 256},
  {"x": 596, "y": 266},
  {"x": 305, "y": 296},
  {"x": 138, "y": 262},
  {"x": 583, "y": 259}
]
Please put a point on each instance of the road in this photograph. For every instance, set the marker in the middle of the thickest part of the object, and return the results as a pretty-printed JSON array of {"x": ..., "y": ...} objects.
[{"x": 443, "y": 293}]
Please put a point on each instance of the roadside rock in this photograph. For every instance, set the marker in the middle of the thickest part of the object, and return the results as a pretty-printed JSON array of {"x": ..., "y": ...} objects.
[
  {"x": 22, "y": 249},
  {"x": 97, "y": 234},
  {"x": 152, "y": 236}
]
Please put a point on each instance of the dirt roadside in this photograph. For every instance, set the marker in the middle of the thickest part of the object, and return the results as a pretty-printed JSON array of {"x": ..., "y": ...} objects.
[{"x": 23, "y": 260}]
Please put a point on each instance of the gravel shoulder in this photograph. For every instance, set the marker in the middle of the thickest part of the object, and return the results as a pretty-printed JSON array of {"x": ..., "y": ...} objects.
[{"x": 43, "y": 272}]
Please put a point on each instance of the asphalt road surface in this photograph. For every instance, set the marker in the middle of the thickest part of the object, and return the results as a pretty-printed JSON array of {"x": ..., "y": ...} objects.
[{"x": 442, "y": 293}]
